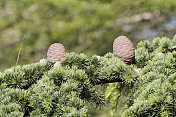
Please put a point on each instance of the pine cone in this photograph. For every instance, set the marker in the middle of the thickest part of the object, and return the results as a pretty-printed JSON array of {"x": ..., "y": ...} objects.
[
  {"x": 56, "y": 52},
  {"x": 123, "y": 49}
]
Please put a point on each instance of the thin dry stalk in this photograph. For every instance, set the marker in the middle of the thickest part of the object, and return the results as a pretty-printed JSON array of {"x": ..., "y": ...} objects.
[{"x": 20, "y": 50}]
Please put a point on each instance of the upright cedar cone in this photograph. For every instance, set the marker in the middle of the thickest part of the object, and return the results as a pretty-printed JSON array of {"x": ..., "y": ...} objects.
[
  {"x": 123, "y": 49},
  {"x": 56, "y": 52}
]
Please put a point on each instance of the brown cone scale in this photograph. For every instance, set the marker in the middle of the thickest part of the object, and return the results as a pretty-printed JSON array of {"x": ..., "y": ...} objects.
[
  {"x": 56, "y": 52},
  {"x": 123, "y": 49}
]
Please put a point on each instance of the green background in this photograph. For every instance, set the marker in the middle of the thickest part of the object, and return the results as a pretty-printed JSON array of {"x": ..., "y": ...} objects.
[{"x": 80, "y": 25}]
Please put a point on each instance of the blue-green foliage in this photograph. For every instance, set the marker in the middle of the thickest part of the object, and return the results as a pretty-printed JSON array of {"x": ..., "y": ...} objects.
[
  {"x": 23, "y": 77},
  {"x": 155, "y": 92},
  {"x": 14, "y": 82},
  {"x": 44, "y": 89},
  {"x": 13, "y": 102},
  {"x": 63, "y": 89},
  {"x": 113, "y": 68}
]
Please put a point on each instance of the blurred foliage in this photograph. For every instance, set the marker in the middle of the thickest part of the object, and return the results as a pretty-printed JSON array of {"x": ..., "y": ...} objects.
[{"x": 80, "y": 25}]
